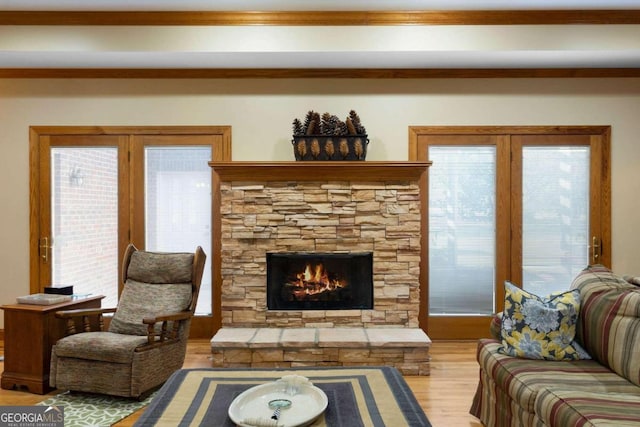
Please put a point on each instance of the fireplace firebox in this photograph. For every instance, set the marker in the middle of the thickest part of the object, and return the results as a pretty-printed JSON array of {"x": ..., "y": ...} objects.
[{"x": 319, "y": 281}]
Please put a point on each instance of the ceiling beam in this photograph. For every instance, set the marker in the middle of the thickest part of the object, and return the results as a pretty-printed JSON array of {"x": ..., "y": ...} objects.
[
  {"x": 325, "y": 18},
  {"x": 295, "y": 73}
]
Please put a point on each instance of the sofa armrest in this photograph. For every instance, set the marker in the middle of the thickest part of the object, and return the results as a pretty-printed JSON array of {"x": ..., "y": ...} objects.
[{"x": 495, "y": 325}]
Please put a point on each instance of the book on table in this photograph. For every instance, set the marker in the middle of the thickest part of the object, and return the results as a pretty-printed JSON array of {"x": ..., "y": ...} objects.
[{"x": 43, "y": 299}]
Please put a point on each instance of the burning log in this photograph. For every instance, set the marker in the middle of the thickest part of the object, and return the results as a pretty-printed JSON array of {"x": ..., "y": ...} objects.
[{"x": 312, "y": 282}]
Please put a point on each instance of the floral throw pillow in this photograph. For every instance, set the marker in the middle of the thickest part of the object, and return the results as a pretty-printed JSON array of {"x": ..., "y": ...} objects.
[{"x": 536, "y": 327}]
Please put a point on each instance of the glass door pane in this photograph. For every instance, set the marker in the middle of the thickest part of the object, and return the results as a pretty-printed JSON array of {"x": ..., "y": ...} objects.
[
  {"x": 178, "y": 205},
  {"x": 555, "y": 216},
  {"x": 462, "y": 230},
  {"x": 84, "y": 220}
]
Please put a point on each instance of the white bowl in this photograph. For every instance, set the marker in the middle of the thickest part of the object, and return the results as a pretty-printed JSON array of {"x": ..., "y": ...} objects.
[{"x": 253, "y": 404}]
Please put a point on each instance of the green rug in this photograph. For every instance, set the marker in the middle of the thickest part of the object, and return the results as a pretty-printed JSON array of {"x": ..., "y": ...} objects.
[{"x": 94, "y": 410}]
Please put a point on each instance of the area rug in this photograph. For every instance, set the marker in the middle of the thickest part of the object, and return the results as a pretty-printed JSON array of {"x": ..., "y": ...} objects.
[
  {"x": 374, "y": 396},
  {"x": 95, "y": 410}
]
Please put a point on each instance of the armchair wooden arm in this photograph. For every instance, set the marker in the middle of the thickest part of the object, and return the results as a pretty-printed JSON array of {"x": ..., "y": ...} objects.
[
  {"x": 85, "y": 314},
  {"x": 166, "y": 335}
]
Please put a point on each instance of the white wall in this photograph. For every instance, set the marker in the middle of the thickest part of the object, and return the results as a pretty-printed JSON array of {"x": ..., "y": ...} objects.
[{"x": 261, "y": 111}]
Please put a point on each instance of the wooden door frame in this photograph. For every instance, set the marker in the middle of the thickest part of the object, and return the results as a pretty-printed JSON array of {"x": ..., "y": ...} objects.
[
  {"x": 472, "y": 327},
  {"x": 202, "y": 325}
]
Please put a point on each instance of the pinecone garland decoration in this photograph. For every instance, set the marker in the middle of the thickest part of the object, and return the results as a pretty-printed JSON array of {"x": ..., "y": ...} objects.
[
  {"x": 344, "y": 148},
  {"x": 315, "y": 148},
  {"x": 311, "y": 129},
  {"x": 330, "y": 124},
  {"x": 307, "y": 122},
  {"x": 350, "y": 127},
  {"x": 316, "y": 124},
  {"x": 358, "y": 148},
  {"x": 298, "y": 128},
  {"x": 341, "y": 128},
  {"x": 326, "y": 137},
  {"x": 325, "y": 124},
  {"x": 329, "y": 148},
  {"x": 355, "y": 120},
  {"x": 302, "y": 149}
]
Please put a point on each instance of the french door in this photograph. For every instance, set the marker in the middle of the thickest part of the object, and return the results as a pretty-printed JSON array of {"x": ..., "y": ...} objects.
[
  {"x": 95, "y": 190},
  {"x": 525, "y": 204}
]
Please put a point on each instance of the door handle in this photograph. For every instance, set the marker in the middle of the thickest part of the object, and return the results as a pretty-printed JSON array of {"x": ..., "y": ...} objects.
[
  {"x": 44, "y": 249},
  {"x": 595, "y": 250}
]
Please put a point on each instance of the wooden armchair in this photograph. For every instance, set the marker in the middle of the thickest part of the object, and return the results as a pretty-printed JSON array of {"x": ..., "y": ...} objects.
[{"x": 147, "y": 337}]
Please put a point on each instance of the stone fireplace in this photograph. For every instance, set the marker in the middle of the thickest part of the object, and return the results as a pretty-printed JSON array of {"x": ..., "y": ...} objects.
[{"x": 318, "y": 213}]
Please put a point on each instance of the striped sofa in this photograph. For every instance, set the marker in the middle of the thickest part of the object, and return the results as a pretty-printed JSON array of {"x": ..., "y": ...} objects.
[{"x": 603, "y": 391}]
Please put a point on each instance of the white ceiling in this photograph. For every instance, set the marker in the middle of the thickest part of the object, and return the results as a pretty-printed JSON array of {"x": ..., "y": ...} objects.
[
  {"x": 620, "y": 48},
  {"x": 301, "y": 5}
]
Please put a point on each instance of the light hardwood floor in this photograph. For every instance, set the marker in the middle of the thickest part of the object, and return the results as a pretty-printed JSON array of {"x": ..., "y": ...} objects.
[{"x": 445, "y": 395}]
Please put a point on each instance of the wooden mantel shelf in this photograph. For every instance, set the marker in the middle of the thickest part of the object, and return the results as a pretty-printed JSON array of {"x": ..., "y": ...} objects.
[{"x": 320, "y": 171}]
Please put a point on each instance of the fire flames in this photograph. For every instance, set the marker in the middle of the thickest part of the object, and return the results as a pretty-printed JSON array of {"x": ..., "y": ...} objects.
[{"x": 313, "y": 281}]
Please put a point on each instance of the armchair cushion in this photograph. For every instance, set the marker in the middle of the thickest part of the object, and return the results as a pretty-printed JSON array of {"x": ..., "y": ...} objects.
[
  {"x": 152, "y": 267},
  {"x": 104, "y": 346},
  {"x": 133, "y": 305}
]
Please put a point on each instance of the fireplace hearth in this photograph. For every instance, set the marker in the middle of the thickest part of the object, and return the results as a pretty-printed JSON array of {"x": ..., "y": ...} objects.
[{"x": 319, "y": 281}]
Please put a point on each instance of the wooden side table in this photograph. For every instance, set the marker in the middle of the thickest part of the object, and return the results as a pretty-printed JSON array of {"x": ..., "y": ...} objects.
[{"x": 29, "y": 333}]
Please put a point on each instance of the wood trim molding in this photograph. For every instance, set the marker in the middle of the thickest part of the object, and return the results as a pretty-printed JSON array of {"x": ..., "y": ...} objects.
[
  {"x": 319, "y": 171},
  {"x": 329, "y": 18},
  {"x": 225, "y": 131},
  {"x": 415, "y": 131},
  {"x": 305, "y": 73}
]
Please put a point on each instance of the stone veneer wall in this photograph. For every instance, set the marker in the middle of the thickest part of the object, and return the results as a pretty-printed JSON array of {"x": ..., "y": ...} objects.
[{"x": 278, "y": 216}]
